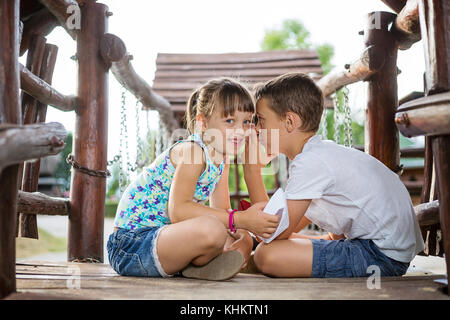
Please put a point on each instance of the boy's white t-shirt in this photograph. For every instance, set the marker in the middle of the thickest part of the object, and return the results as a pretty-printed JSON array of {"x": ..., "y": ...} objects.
[{"x": 356, "y": 195}]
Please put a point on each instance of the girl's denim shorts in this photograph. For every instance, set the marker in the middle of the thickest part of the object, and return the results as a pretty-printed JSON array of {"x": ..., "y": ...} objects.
[
  {"x": 352, "y": 258},
  {"x": 133, "y": 252}
]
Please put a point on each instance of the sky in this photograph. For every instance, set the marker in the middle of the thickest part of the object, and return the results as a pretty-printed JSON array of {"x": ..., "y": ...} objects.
[{"x": 200, "y": 26}]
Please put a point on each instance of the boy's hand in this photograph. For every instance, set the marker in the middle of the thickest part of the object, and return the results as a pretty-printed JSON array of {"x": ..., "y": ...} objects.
[
  {"x": 253, "y": 154},
  {"x": 257, "y": 221}
]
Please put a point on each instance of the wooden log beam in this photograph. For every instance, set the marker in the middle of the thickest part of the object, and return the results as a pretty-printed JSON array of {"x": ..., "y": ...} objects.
[
  {"x": 406, "y": 27},
  {"x": 382, "y": 100},
  {"x": 114, "y": 54},
  {"x": 396, "y": 5},
  {"x": 10, "y": 112},
  {"x": 425, "y": 116},
  {"x": 64, "y": 10},
  {"x": 41, "y": 23},
  {"x": 435, "y": 26},
  {"x": 427, "y": 213},
  {"x": 90, "y": 143},
  {"x": 27, "y": 142},
  {"x": 33, "y": 203},
  {"x": 371, "y": 61},
  {"x": 45, "y": 93}
]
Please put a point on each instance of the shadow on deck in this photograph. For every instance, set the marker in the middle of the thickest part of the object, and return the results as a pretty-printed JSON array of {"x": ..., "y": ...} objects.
[{"x": 65, "y": 280}]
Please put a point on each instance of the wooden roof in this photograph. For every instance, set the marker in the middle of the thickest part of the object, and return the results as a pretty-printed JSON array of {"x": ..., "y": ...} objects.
[{"x": 178, "y": 74}]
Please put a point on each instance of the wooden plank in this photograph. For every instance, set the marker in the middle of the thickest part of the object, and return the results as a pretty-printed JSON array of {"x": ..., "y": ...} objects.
[
  {"x": 251, "y": 57},
  {"x": 269, "y": 73},
  {"x": 240, "y": 66},
  {"x": 241, "y": 287}
]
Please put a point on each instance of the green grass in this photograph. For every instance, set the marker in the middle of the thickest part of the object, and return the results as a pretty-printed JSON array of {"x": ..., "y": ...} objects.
[
  {"x": 110, "y": 209},
  {"x": 26, "y": 247}
]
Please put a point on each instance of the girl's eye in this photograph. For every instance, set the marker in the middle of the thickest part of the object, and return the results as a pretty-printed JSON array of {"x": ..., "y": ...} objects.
[
  {"x": 247, "y": 122},
  {"x": 229, "y": 121}
]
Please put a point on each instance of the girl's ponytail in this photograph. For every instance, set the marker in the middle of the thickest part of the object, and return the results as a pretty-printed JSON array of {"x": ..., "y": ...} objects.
[{"x": 191, "y": 110}]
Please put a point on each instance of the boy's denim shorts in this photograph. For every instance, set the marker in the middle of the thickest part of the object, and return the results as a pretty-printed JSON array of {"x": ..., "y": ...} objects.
[
  {"x": 133, "y": 252},
  {"x": 352, "y": 258}
]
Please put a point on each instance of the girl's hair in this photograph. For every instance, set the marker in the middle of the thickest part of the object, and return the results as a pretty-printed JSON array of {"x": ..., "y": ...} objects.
[{"x": 226, "y": 93}]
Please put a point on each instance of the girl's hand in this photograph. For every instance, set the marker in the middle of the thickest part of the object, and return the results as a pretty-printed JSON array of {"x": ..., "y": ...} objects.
[
  {"x": 254, "y": 156},
  {"x": 257, "y": 221},
  {"x": 243, "y": 243}
]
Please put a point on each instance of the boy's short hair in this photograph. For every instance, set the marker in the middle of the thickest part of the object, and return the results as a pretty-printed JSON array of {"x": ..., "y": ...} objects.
[{"x": 295, "y": 92}]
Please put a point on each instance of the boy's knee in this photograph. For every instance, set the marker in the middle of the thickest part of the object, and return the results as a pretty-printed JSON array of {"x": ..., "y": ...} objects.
[{"x": 264, "y": 259}]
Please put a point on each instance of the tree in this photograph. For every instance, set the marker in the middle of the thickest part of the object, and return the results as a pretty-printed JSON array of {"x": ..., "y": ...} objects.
[{"x": 293, "y": 35}]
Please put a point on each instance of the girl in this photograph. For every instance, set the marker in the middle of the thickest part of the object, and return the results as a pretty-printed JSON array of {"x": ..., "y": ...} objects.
[{"x": 162, "y": 224}]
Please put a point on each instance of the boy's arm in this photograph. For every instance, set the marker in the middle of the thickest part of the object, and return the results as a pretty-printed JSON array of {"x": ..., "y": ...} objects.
[
  {"x": 296, "y": 209},
  {"x": 255, "y": 184}
]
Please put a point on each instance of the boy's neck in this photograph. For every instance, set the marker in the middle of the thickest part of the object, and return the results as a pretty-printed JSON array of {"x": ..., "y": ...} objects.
[{"x": 292, "y": 149}]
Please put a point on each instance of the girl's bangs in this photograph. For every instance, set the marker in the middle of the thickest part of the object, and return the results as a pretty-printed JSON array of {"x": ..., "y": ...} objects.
[{"x": 233, "y": 98}]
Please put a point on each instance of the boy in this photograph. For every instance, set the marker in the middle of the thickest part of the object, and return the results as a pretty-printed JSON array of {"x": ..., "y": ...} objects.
[{"x": 361, "y": 203}]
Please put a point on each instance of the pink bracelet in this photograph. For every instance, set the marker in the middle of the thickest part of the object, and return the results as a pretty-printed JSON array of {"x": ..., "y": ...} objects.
[{"x": 231, "y": 221}]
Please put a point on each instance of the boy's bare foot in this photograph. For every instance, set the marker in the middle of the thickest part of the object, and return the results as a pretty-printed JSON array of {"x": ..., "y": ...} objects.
[{"x": 223, "y": 267}]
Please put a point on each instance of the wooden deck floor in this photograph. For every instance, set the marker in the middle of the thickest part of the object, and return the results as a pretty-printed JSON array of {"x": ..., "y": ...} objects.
[{"x": 99, "y": 281}]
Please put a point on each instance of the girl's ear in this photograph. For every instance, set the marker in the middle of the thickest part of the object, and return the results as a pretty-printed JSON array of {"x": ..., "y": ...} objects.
[
  {"x": 292, "y": 121},
  {"x": 200, "y": 122}
]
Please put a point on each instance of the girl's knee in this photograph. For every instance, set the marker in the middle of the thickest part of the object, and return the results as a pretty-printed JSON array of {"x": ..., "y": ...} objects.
[{"x": 211, "y": 232}]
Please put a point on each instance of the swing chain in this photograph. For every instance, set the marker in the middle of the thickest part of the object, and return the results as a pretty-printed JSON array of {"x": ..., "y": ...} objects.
[
  {"x": 324, "y": 124},
  {"x": 342, "y": 107},
  {"x": 336, "y": 118}
]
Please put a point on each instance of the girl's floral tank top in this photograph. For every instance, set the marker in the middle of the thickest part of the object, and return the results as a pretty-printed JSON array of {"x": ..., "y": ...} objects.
[{"x": 145, "y": 201}]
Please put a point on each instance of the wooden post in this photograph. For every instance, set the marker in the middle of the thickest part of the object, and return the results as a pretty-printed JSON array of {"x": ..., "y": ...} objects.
[
  {"x": 31, "y": 169},
  {"x": 434, "y": 24},
  {"x": 87, "y": 197},
  {"x": 441, "y": 154},
  {"x": 28, "y": 227},
  {"x": 382, "y": 101},
  {"x": 10, "y": 112}
]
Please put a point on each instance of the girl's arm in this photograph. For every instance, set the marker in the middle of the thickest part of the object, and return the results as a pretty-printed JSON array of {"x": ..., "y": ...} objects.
[
  {"x": 182, "y": 207},
  {"x": 221, "y": 195}
]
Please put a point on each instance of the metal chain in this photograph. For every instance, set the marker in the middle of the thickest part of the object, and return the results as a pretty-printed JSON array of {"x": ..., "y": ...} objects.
[
  {"x": 336, "y": 118},
  {"x": 123, "y": 129},
  {"x": 324, "y": 124},
  {"x": 348, "y": 131},
  {"x": 158, "y": 146},
  {"x": 95, "y": 173}
]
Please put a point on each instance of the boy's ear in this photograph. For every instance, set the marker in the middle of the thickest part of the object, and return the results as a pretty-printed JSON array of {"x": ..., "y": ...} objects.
[{"x": 292, "y": 121}]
